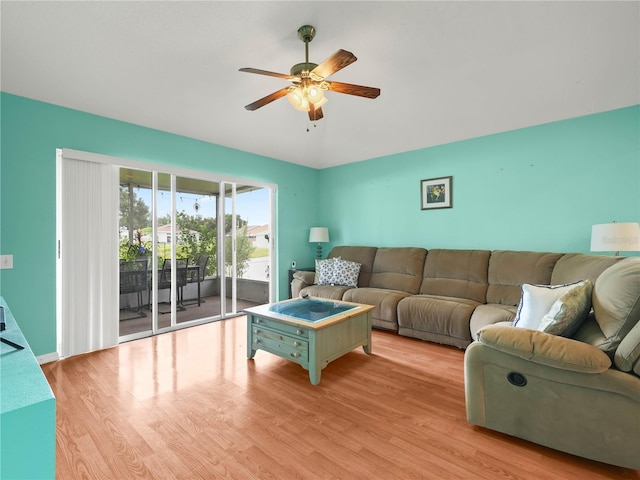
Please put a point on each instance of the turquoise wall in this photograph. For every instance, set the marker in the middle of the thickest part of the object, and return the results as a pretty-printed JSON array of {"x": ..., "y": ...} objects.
[
  {"x": 538, "y": 188},
  {"x": 31, "y": 132}
]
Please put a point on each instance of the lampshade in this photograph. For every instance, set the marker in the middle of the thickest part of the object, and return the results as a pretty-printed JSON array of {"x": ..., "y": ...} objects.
[
  {"x": 615, "y": 237},
  {"x": 300, "y": 97},
  {"x": 315, "y": 94},
  {"x": 318, "y": 235}
]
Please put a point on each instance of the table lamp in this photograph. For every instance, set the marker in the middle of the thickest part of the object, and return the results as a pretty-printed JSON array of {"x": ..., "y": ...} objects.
[
  {"x": 615, "y": 237},
  {"x": 319, "y": 235}
]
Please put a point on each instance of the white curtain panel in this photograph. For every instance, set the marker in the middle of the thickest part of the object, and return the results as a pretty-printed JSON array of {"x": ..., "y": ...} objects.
[{"x": 88, "y": 256}]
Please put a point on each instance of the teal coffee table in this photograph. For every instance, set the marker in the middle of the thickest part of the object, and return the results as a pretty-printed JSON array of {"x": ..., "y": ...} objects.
[{"x": 310, "y": 331}]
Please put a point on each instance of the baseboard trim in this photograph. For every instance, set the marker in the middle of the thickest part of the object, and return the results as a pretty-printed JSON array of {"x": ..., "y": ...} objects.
[{"x": 47, "y": 358}]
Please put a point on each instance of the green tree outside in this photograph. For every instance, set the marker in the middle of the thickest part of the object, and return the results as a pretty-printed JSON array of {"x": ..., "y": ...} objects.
[
  {"x": 198, "y": 236},
  {"x": 139, "y": 216}
]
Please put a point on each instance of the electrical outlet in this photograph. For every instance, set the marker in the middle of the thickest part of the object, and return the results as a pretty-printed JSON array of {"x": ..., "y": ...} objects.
[
  {"x": 293, "y": 264},
  {"x": 6, "y": 261}
]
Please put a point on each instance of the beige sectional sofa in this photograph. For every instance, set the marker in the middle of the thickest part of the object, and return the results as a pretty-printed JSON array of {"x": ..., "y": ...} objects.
[{"x": 580, "y": 395}]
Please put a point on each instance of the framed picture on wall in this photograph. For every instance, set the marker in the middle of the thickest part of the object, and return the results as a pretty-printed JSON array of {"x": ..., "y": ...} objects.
[{"x": 436, "y": 193}]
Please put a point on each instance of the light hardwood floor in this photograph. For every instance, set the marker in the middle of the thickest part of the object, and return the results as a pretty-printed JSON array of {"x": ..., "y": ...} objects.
[{"x": 189, "y": 405}]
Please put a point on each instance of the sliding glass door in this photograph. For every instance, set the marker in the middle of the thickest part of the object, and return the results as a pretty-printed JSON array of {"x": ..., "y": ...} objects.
[
  {"x": 204, "y": 260},
  {"x": 145, "y": 248}
]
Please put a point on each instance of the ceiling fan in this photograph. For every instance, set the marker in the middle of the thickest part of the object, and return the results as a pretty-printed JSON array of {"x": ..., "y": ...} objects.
[{"x": 309, "y": 80}]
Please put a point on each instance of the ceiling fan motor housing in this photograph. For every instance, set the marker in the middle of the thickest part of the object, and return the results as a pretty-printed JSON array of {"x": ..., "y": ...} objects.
[
  {"x": 306, "y": 33},
  {"x": 302, "y": 69}
]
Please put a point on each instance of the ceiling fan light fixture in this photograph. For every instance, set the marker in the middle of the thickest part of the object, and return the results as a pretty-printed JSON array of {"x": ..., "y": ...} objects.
[
  {"x": 298, "y": 99},
  {"x": 308, "y": 80},
  {"x": 315, "y": 94}
]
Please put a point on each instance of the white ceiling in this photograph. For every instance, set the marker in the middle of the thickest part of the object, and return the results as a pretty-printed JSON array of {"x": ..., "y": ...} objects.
[{"x": 447, "y": 70}]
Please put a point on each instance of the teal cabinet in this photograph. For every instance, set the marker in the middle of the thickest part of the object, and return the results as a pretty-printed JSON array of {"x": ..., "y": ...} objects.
[{"x": 27, "y": 411}]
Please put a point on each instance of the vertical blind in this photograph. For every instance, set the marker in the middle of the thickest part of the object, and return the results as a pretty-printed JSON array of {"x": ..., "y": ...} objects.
[{"x": 88, "y": 252}]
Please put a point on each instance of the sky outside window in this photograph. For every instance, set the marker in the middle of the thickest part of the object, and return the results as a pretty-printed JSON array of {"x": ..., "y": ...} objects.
[{"x": 252, "y": 206}]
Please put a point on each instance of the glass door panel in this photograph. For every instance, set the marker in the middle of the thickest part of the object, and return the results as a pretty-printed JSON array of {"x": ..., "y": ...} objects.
[
  {"x": 253, "y": 204},
  {"x": 228, "y": 216},
  {"x": 135, "y": 250},
  {"x": 164, "y": 229},
  {"x": 248, "y": 209},
  {"x": 197, "y": 245}
]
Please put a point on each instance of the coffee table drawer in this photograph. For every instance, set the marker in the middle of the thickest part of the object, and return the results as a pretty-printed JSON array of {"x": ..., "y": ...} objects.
[
  {"x": 275, "y": 342},
  {"x": 281, "y": 327}
]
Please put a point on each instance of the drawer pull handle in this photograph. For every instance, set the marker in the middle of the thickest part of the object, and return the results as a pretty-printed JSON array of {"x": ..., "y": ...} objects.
[
  {"x": 257, "y": 340},
  {"x": 256, "y": 331},
  {"x": 257, "y": 320},
  {"x": 299, "y": 332},
  {"x": 295, "y": 355},
  {"x": 296, "y": 344}
]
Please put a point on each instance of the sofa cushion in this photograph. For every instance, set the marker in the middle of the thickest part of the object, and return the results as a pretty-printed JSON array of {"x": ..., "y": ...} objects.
[
  {"x": 554, "y": 309},
  {"x": 445, "y": 316},
  {"x": 616, "y": 301},
  {"x": 508, "y": 270},
  {"x": 385, "y": 315},
  {"x": 456, "y": 273},
  {"x": 574, "y": 267},
  {"x": 545, "y": 349},
  {"x": 362, "y": 255},
  {"x": 398, "y": 269}
]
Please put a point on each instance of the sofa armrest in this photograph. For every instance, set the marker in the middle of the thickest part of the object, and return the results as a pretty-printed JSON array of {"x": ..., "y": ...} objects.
[
  {"x": 627, "y": 356},
  {"x": 301, "y": 279},
  {"x": 305, "y": 276},
  {"x": 545, "y": 349}
]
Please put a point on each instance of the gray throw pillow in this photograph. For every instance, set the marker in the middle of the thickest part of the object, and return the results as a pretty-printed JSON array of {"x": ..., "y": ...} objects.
[{"x": 569, "y": 311}]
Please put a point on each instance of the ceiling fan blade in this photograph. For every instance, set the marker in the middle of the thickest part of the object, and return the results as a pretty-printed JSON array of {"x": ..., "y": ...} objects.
[
  {"x": 315, "y": 113},
  {"x": 268, "y": 99},
  {"x": 350, "y": 89},
  {"x": 335, "y": 62},
  {"x": 266, "y": 72}
]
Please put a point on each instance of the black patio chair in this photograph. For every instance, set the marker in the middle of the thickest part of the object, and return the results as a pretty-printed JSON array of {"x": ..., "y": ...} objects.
[
  {"x": 164, "y": 279},
  {"x": 196, "y": 274},
  {"x": 133, "y": 279}
]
